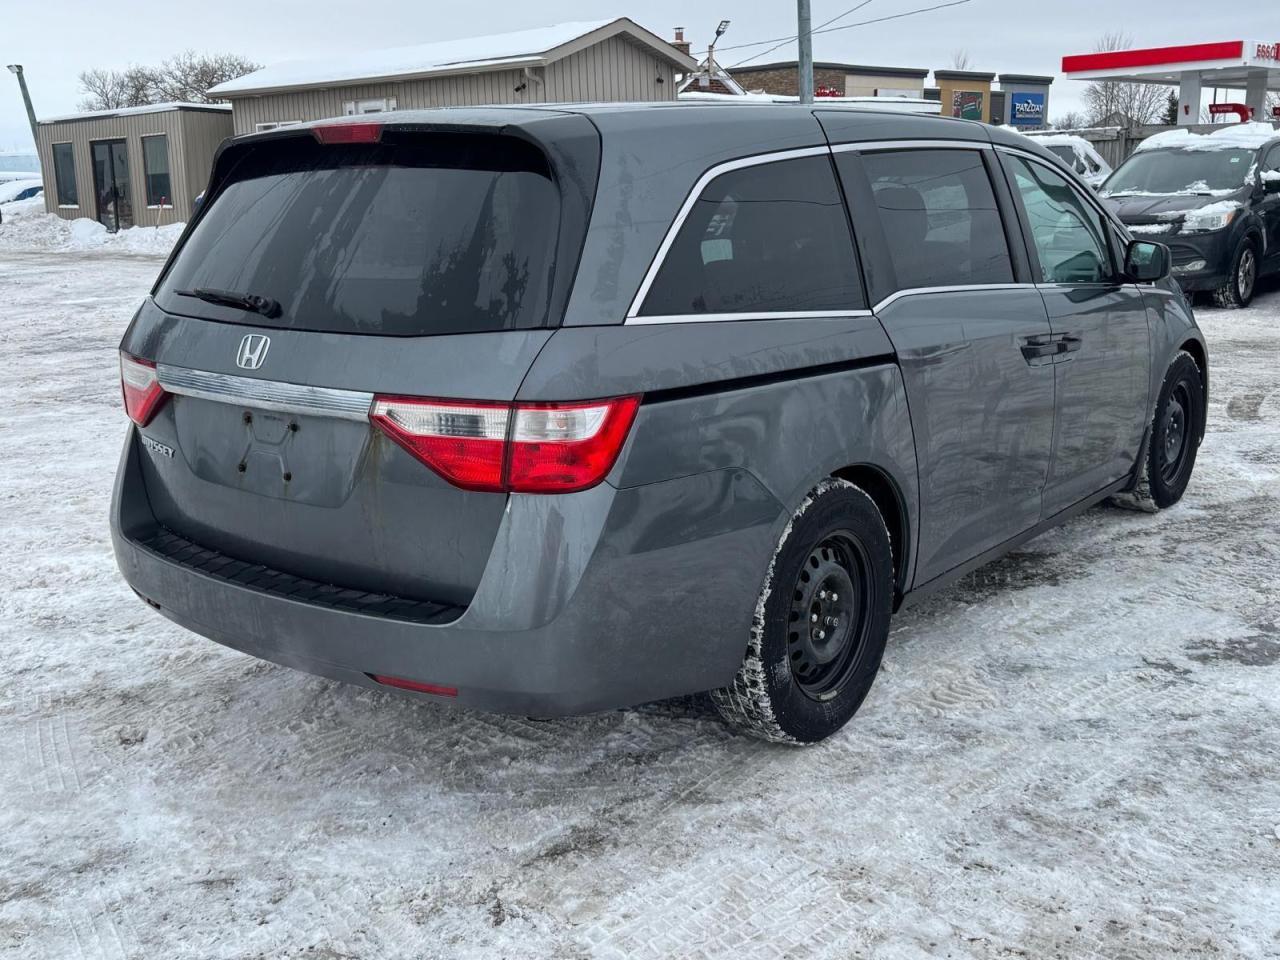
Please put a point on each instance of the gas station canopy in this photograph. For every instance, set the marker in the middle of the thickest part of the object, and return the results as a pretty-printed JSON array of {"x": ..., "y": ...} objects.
[{"x": 1247, "y": 65}]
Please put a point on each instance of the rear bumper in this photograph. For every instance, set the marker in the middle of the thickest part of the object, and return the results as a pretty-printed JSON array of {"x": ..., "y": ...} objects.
[{"x": 590, "y": 601}]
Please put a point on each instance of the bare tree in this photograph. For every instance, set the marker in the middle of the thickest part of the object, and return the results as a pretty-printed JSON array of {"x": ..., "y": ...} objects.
[
  {"x": 1071, "y": 120},
  {"x": 189, "y": 76},
  {"x": 960, "y": 60},
  {"x": 186, "y": 77},
  {"x": 1138, "y": 102},
  {"x": 112, "y": 89}
]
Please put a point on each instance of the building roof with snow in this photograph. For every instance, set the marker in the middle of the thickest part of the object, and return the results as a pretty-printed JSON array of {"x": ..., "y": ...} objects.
[
  {"x": 537, "y": 47},
  {"x": 131, "y": 111}
]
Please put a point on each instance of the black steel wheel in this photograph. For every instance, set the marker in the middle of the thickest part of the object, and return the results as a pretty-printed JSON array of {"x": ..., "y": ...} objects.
[
  {"x": 830, "y": 614},
  {"x": 1176, "y": 431},
  {"x": 821, "y": 621}
]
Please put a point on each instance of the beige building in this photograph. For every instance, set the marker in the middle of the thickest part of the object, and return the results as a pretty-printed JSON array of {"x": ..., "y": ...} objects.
[
  {"x": 833, "y": 79},
  {"x": 602, "y": 60},
  {"x": 965, "y": 93},
  {"x": 136, "y": 166}
]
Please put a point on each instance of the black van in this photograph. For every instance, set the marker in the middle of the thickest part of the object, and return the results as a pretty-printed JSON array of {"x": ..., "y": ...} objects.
[{"x": 1213, "y": 198}]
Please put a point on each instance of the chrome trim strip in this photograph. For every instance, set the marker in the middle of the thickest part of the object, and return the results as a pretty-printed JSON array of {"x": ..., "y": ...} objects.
[
  {"x": 757, "y": 315},
  {"x": 265, "y": 394},
  {"x": 965, "y": 288},
  {"x": 871, "y": 146},
  {"x": 685, "y": 208}
]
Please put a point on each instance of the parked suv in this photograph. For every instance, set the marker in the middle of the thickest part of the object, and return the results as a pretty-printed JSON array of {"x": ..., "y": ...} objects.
[
  {"x": 1214, "y": 198},
  {"x": 551, "y": 410}
]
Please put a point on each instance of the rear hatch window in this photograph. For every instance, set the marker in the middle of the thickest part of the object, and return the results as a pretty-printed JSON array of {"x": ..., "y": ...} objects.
[{"x": 433, "y": 235}]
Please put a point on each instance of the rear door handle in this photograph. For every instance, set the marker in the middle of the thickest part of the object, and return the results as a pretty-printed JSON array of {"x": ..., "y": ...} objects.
[
  {"x": 1051, "y": 348},
  {"x": 1038, "y": 349}
]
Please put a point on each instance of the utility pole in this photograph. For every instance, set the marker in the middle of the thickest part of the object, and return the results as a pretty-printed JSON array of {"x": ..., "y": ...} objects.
[
  {"x": 805, "y": 33},
  {"x": 16, "y": 70}
]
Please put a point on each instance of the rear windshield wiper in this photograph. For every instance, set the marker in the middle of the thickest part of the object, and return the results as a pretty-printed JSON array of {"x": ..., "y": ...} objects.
[{"x": 229, "y": 298}]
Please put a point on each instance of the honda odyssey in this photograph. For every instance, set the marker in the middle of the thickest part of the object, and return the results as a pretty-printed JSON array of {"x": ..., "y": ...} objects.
[{"x": 546, "y": 410}]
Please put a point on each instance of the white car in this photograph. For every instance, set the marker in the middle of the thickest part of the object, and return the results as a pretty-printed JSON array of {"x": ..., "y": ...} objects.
[
  {"x": 20, "y": 190},
  {"x": 1077, "y": 153}
]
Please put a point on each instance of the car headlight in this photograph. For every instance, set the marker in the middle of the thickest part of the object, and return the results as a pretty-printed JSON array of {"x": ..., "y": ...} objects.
[{"x": 1206, "y": 222}]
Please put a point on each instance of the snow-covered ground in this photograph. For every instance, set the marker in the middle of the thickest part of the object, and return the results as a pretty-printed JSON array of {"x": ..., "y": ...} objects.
[{"x": 1072, "y": 754}]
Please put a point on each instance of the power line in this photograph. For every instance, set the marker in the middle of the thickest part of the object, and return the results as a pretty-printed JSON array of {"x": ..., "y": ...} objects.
[
  {"x": 848, "y": 26},
  {"x": 817, "y": 29}
]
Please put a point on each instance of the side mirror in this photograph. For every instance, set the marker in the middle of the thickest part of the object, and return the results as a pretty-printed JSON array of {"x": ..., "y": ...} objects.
[
  {"x": 1271, "y": 181},
  {"x": 1147, "y": 262}
]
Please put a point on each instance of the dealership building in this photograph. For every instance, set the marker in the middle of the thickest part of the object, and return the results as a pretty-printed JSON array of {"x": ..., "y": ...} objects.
[
  {"x": 611, "y": 60},
  {"x": 136, "y": 166}
]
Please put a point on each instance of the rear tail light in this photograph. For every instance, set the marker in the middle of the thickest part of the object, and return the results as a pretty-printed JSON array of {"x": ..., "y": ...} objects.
[
  {"x": 143, "y": 394},
  {"x": 520, "y": 448}
]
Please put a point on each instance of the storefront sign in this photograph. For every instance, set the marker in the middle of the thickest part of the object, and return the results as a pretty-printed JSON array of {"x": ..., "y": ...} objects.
[
  {"x": 1026, "y": 109},
  {"x": 966, "y": 104}
]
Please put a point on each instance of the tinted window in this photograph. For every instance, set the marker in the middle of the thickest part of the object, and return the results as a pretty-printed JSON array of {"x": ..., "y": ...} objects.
[
  {"x": 64, "y": 174},
  {"x": 155, "y": 166},
  {"x": 1069, "y": 234},
  {"x": 940, "y": 218},
  {"x": 446, "y": 235},
  {"x": 772, "y": 237}
]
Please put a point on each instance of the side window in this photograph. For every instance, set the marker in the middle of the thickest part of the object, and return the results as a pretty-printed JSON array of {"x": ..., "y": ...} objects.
[
  {"x": 769, "y": 238},
  {"x": 940, "y": 218},
  {"x": 155, "y": 170},
  {"x": 64, "y": 175},
  {"x": 1272, "y": 163},
  {"x": 1069, "y": 234}
]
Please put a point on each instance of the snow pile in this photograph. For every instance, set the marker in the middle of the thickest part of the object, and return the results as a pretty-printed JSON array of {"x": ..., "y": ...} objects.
[
  {"x": 1237, "y": 136},
  {"x": 27, "y": 227}
]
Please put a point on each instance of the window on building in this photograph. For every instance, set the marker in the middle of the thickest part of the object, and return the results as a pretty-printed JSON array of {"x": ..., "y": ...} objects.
[
  {"x": 354, "y": 108},
  {"x": 274, "y": 124},
  {"x": 155, "y": 169},
  {"x": 766, "y": 238},
  {"x": 1069, "y": 234},
  {"x": 940, "y": 218},
  {"x": 64, "y": 175}
]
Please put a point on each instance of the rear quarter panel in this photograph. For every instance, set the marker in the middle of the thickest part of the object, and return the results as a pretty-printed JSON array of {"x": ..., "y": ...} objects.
[{"x": 783, "y": 402}]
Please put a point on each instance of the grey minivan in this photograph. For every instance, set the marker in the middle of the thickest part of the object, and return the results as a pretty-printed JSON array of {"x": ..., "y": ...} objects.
[{"x": 546, "y": 410}]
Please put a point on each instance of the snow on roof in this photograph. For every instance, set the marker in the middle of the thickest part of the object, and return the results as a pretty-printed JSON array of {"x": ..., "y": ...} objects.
[
  {"x": 523, "y": 47},
  {"x": 128, "y": 111},
  {"x": 1236, "y": 136}
]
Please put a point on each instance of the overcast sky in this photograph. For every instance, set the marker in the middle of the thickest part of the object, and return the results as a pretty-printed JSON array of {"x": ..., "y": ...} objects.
[{"x": 56, "y": 39}]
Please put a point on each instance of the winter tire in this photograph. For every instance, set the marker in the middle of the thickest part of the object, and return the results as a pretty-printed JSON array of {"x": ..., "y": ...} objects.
[
  {"x": 1176, "y": 431},
  {"x": 820, "y": 623},
  {"x": 1237, "y": 290}
]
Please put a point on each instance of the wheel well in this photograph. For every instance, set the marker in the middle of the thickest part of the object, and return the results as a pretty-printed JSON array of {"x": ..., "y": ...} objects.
[
  {"x": 888, "y": 500},
  {"x": 1196, "y": 349}
]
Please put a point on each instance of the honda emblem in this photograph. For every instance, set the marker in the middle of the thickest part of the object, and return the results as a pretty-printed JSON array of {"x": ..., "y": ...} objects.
[{"x": 253, "y": 351}]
